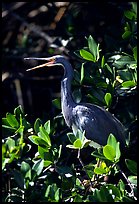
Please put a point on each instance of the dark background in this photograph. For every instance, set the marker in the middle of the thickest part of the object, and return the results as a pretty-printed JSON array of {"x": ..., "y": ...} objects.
[{"x": 46, "y": 29}]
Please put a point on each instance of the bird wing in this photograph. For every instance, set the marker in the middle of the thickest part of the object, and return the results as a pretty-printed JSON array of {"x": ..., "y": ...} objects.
[{"x": 97, "y": 123}]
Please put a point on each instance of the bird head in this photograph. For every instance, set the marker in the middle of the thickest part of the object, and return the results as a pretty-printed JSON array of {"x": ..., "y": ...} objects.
[{"x": 51, "y": 61}]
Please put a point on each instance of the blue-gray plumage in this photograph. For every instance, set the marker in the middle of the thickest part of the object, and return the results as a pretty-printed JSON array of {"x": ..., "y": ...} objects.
[{"x": 96, "y": 121}]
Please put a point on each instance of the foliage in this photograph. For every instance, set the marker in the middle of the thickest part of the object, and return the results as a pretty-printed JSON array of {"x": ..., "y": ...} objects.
[
  {"x": 39, "y": 165},
  {"x": 44, "y": 174}
]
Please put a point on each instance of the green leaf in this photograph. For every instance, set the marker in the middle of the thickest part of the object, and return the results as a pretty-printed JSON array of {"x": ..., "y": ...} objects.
[
  {"x": 71, "y": 146},
  {"x": 87, "y": 55},
  {"x": 102, "y": 61},
  {"x": 86, "y": 142},
  {"x": 103, "y": 195},
  {"x": 135, "y": 53},
  {"x": 78, "y": 198},
  {"x": 129, "y": 14},
  {"x": 108, "y": 68},
  {"x": 37, "y": 124},
  {"x": 4, "y": 162},
  {"x": 38, "y": 141},
  {"x": 38, "y": 166},
  {"x": 93, "y": 47},
  {"x": 109, "y": 152},
  {"x": 25, "y": 167},
  {"x": 47, "y": 163},
  {"x": 18, "y": 112},
  {"x": 126, "y": 34},
  {"x": 118, "y": 152},
  {"x": 48, "y": 191},
  {"x": 44, "y": 135},
  {"x": 108, "y": 99},
  {"x": 112, "y": 141},
  {"x": 11, "y": 144},
  {"x": 99, "y": 170},
  {"x": 82, "y": 73},
  {"x": 12, "y": 120},
  {"x": 47, "y": 126},
  {"x": 42, "y": 151},
  {"x": 129, "y": 84},
  {"x": 131, "y": 165},
  {"x": 114, "y": 191},
  {"x": 97, "y": 155},
  {"x": 57, "y": 195},
  {"x": 9, "y": 127},
  {"x": 57, "y": 103},
  {"x": 121, "y": 186},
  {"x": 102, "y": 169},
  {"x": 133, "y": 179},
  {"x": 71, "y": 137},
  {"x": 77, "y": 144}
]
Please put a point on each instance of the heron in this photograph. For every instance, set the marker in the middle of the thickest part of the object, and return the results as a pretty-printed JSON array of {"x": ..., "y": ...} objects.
[{"x": 96, "y": 121}]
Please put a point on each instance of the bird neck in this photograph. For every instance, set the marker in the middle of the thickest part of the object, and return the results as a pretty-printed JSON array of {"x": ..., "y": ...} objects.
[{"x": 66, "y": 94}]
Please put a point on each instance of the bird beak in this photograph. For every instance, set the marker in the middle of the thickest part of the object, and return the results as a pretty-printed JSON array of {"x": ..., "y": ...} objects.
[{"x": 51, "y": 62}]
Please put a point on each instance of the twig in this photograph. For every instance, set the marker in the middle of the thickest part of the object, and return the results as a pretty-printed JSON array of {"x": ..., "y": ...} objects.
[
  {"x": 129, "y": 183},
  {"x": 81, "y": 162}
]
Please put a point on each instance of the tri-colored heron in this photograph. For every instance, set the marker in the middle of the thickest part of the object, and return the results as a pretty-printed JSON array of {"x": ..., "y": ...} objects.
[{"x": 96, "y": 121}]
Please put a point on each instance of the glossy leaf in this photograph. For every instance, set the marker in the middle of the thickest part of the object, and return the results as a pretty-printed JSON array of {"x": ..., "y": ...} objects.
[
  {"x": 47, "y": 163},
  {"x": 86, "y": 142},
  {"x": 12, "y": 120},
  {"x": 93, "y": 47},
  {"x": 121, "y": 186},
  {"x": 108, "y": 68},
  {"x": 131, "y": 165},
  {"x": 38, "y": 166},
  {"x": 25, "y": 167},
  {"x": 128, "y": 84},
  {"x": 47, "y": 126},
  {"x": 112, "y": 141},
  {"x": 108, "y": 99},
  {"x": 82, "y": 73},
  {"x": 42, "y": 151},
  {"x": 18, "y": 112},
  {"x": 109, "y": 152},
  {"x": 103, "y": 195},
  {"x": 129, "y": 14},
  {"x": 77, "y": 144},
  {"x": 102, "y": 61},
  {"x": 11, "y": 144},
  {"x": 98, "y": 155},
  {"x": 87, "y": 55},
  {"x": 78, "y": 198},
  {"x": 71, "y": 137},
  {"x": 126, "y": 34},
  {"x": 38, "y": 141},
  {"x": 44, "y": 135},
  {"x": 102, "y": 168},
  {"x": 135, "y": 53},
  {"x": 118, "y": 152},
  {"x": 114, "y": 191},
  {"x": 37, "y": 124},
  {"x": 99, "y": 170},
  {"x": 133, "y": 179}
]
